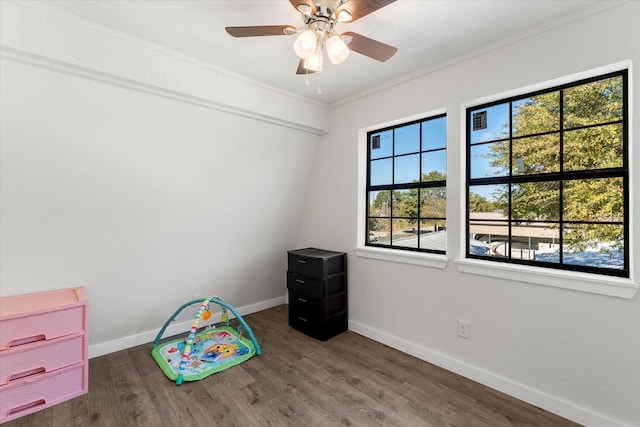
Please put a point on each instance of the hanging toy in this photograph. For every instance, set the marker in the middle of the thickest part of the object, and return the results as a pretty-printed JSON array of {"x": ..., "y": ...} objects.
[{"x": 206, "y": 315}]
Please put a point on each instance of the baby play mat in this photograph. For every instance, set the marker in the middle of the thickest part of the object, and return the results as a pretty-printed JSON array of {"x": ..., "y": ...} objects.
[{"x": 212, "y": 351}]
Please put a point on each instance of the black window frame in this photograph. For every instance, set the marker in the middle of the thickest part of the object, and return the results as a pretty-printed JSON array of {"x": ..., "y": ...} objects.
[
  {"x": 560, "y": 176},
  {"x": 403, "y": 186}
]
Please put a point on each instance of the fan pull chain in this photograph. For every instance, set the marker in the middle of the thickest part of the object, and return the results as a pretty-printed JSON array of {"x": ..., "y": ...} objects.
[
  {"x": 307, "y": 83},
  {"x": 306, "y": 79}
]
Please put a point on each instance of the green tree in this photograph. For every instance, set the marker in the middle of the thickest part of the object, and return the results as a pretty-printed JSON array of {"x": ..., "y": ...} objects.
[
  {"x": 433, "y": 200},
  {"x": 381, "y": 205},
  {"x": 427, "y": 202},
  {"x": 402, "y": 202},
  {"x": 478, "y": 203},
  {"x": 592, "y": 139}
]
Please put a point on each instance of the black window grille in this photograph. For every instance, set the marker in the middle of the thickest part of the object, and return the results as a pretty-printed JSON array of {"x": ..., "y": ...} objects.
[
  {"x": 406, "y": 186},
  {"x": 548, "y": 178}
]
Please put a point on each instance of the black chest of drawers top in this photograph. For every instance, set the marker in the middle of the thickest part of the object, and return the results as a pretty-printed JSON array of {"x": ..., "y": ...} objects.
[{"x": 317, "y": 283}]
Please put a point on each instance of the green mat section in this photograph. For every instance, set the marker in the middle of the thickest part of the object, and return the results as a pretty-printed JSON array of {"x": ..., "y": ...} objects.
[{"x": 212, "y": 351}]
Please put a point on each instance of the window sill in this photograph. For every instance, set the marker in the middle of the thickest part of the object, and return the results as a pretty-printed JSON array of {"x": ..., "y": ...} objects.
[
  {"x": 405, "y": 257},
  {"x": 583, "y": 282}
]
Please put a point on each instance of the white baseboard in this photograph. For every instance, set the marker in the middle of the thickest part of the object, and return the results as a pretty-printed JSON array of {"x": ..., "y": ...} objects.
[
  {"x": 520, "y": 391},
  {"x": 123, "y": 343}
]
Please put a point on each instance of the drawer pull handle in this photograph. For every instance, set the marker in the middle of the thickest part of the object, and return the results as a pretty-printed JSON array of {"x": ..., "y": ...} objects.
[
  {"x": 300, "y": 281},
  {"x": 302, "y": 300},
  {"x": 301, "y": 261},
  {"x": 27, "y": 406},
  {"x": 27, "y": 340},
  {"x": 28, "y": 373},
  {"x": 303, "y": 319}
]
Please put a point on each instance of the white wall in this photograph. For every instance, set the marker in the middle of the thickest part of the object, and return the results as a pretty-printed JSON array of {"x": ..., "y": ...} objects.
[
  {"x": 136, "y": 188},
  {"x": 574, "y": 353}
]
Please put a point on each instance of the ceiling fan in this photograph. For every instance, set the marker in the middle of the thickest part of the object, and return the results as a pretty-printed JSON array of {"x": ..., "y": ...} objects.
[{"x": 318, "y": 34}]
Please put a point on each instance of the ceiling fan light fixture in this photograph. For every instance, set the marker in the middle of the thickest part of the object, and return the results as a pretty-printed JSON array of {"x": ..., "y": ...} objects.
[
  {"x": 344, "y": 16},
  {"x": 317, "y": 34},
  {"x": 305, "y": 9},
  {"x": 337, "y": 50},
  {"x": 314, "y": 62},
  {"x": 306, "y": 44}
]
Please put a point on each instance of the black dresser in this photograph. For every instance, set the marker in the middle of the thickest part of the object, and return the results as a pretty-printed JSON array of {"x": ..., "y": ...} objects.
[{"x": 317, "y": 283}]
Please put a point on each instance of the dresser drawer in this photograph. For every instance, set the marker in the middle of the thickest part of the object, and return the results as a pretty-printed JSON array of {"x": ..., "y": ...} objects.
[
  {"x": 316, "y": 309},
  {"x": 39, "y": 327},
  {"x": 316, "y": 263},
  {"x": 43, "y": 316},
  {"x": 31, "y": 395},
  {"x": 305, "y": 286},
  {"x": 316, "y": 288},
  {"x": 35, "y": 359},
  {"x": 319, "y": 329},
  {"x": 308, "y": 307}
]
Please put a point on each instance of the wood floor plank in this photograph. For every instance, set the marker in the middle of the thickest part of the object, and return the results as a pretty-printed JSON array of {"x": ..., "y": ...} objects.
[
  {"x": 132, "y": 394},
  {"x": 298, "y": 381}
]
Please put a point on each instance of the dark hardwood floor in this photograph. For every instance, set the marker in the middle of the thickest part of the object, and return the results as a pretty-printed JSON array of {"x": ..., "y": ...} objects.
[{"x": 297, "y": 381}]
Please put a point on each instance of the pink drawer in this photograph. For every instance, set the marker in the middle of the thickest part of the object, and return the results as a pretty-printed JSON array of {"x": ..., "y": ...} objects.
[
  {"x": 30, "y": 395},
  {"x": 42, "y": 316},
  {"x": 33, "y": 360}
]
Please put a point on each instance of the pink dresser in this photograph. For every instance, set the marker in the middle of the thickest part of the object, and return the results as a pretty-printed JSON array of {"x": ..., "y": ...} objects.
[{"x": 43, "y": 350}]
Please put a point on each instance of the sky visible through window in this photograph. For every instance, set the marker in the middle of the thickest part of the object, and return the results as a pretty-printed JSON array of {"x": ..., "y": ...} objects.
[
  {"x": 497, "y": 128},
  {"x": 407, "y": 151}
]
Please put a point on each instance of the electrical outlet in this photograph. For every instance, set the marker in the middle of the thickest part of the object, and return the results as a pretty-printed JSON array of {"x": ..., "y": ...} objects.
[
  {"x": 464, "y": 329},
  {"x": 198, "y": 296}
]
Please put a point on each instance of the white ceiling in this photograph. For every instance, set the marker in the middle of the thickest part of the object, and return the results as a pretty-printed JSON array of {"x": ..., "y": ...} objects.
[{"x": 427, "y": 33}]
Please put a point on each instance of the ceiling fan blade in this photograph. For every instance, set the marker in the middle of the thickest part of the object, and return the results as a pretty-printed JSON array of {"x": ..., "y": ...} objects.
[
  {"x": 302, "y": 70},
  {"x": 304, "y": 6},
  {"x": 261, "y": 30},
  {"x": 360, "y": 8},
  {"x": 368, "y": 47}
]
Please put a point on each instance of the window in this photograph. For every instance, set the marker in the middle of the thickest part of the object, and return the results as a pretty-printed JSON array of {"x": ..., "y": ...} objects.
[
  {"x": 547, "y": 178},
  {"x": 406, "y": 186}
]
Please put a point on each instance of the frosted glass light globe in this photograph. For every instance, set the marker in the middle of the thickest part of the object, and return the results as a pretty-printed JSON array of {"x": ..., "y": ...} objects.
[
  {"x": 337, "y": 50},
  {"x": 314, "y": 62},
  {"x": 306, "y": 44}
]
